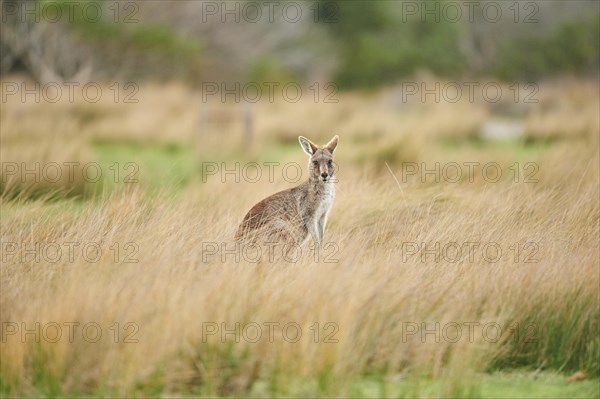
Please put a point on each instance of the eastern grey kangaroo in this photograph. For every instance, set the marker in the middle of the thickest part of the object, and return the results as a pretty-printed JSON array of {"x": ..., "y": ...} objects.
[{"x": 292, "y": 216}]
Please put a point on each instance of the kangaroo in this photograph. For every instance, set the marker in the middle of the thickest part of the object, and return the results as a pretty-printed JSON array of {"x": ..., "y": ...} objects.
[{"x": 292, "y": 216}]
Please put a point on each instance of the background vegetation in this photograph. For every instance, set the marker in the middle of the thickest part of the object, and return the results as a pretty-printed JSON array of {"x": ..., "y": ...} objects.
[{"x": 353, "y": 43}]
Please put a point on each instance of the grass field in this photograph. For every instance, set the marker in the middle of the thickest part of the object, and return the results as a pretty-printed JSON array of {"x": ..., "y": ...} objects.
[{"x": 453, "y": 266}]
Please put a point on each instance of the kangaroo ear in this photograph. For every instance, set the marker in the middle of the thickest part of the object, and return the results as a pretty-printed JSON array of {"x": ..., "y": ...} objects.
[
  {"x": 332, "y": 144},
  {"x": 308, "y": 146}
]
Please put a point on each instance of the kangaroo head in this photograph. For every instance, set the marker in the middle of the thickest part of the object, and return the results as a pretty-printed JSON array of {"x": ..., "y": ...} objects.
[{"x": 320, "y": 165}]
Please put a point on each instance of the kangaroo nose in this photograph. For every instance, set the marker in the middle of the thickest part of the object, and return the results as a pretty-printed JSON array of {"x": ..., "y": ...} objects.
[{"x": 323, "y": 175}]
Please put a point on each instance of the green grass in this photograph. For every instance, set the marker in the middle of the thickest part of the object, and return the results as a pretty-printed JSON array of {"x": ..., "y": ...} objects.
[
  {"x": 545, "y": 385},
  {"x": 153, "y": 167},
  {"x": 171, "y": 167},
  {"x": 281, "y": 152},
  {"x": 517, "y": 149},
  {"x": 512, "y": 384},
  {"x": 498, "y": 385}
]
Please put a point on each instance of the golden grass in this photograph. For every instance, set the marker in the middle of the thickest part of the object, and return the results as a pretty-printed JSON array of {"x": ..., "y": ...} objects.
[{"x": 374, "y": 290}]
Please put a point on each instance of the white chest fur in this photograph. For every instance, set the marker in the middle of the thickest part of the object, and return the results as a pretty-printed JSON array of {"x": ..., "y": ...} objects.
[{"x": 326, "y": 198}]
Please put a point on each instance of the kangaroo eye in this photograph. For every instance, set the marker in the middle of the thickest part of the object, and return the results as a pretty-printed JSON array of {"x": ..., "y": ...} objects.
[
  {"x": 330, "y": 162},
  {"x": 315, "y": 163}
]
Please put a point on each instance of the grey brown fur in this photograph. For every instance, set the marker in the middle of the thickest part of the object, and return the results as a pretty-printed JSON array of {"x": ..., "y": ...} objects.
[{"x": 292, "y": 216}]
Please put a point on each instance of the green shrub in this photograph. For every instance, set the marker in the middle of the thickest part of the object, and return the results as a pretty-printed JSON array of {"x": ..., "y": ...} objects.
[{"x": 573, "y": 48}]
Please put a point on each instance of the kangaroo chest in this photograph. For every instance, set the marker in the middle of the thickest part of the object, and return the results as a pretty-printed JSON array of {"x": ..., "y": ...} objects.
[{"x": 325, "y": 201}]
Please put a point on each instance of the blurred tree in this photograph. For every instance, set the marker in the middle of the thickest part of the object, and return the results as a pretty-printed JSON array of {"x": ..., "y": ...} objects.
[
  {"x": 378, "y": 45},
  {"x": 269, "y": 69},
  {"x": 42, "y": 48},
  {"x": 355, "y": 43},
  {"x": 55, "y": 41},
  {"x": 573, "y": 48}
]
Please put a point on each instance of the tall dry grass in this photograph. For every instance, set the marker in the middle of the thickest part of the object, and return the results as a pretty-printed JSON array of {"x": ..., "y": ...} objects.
[{"x": 369, "y": 283}]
